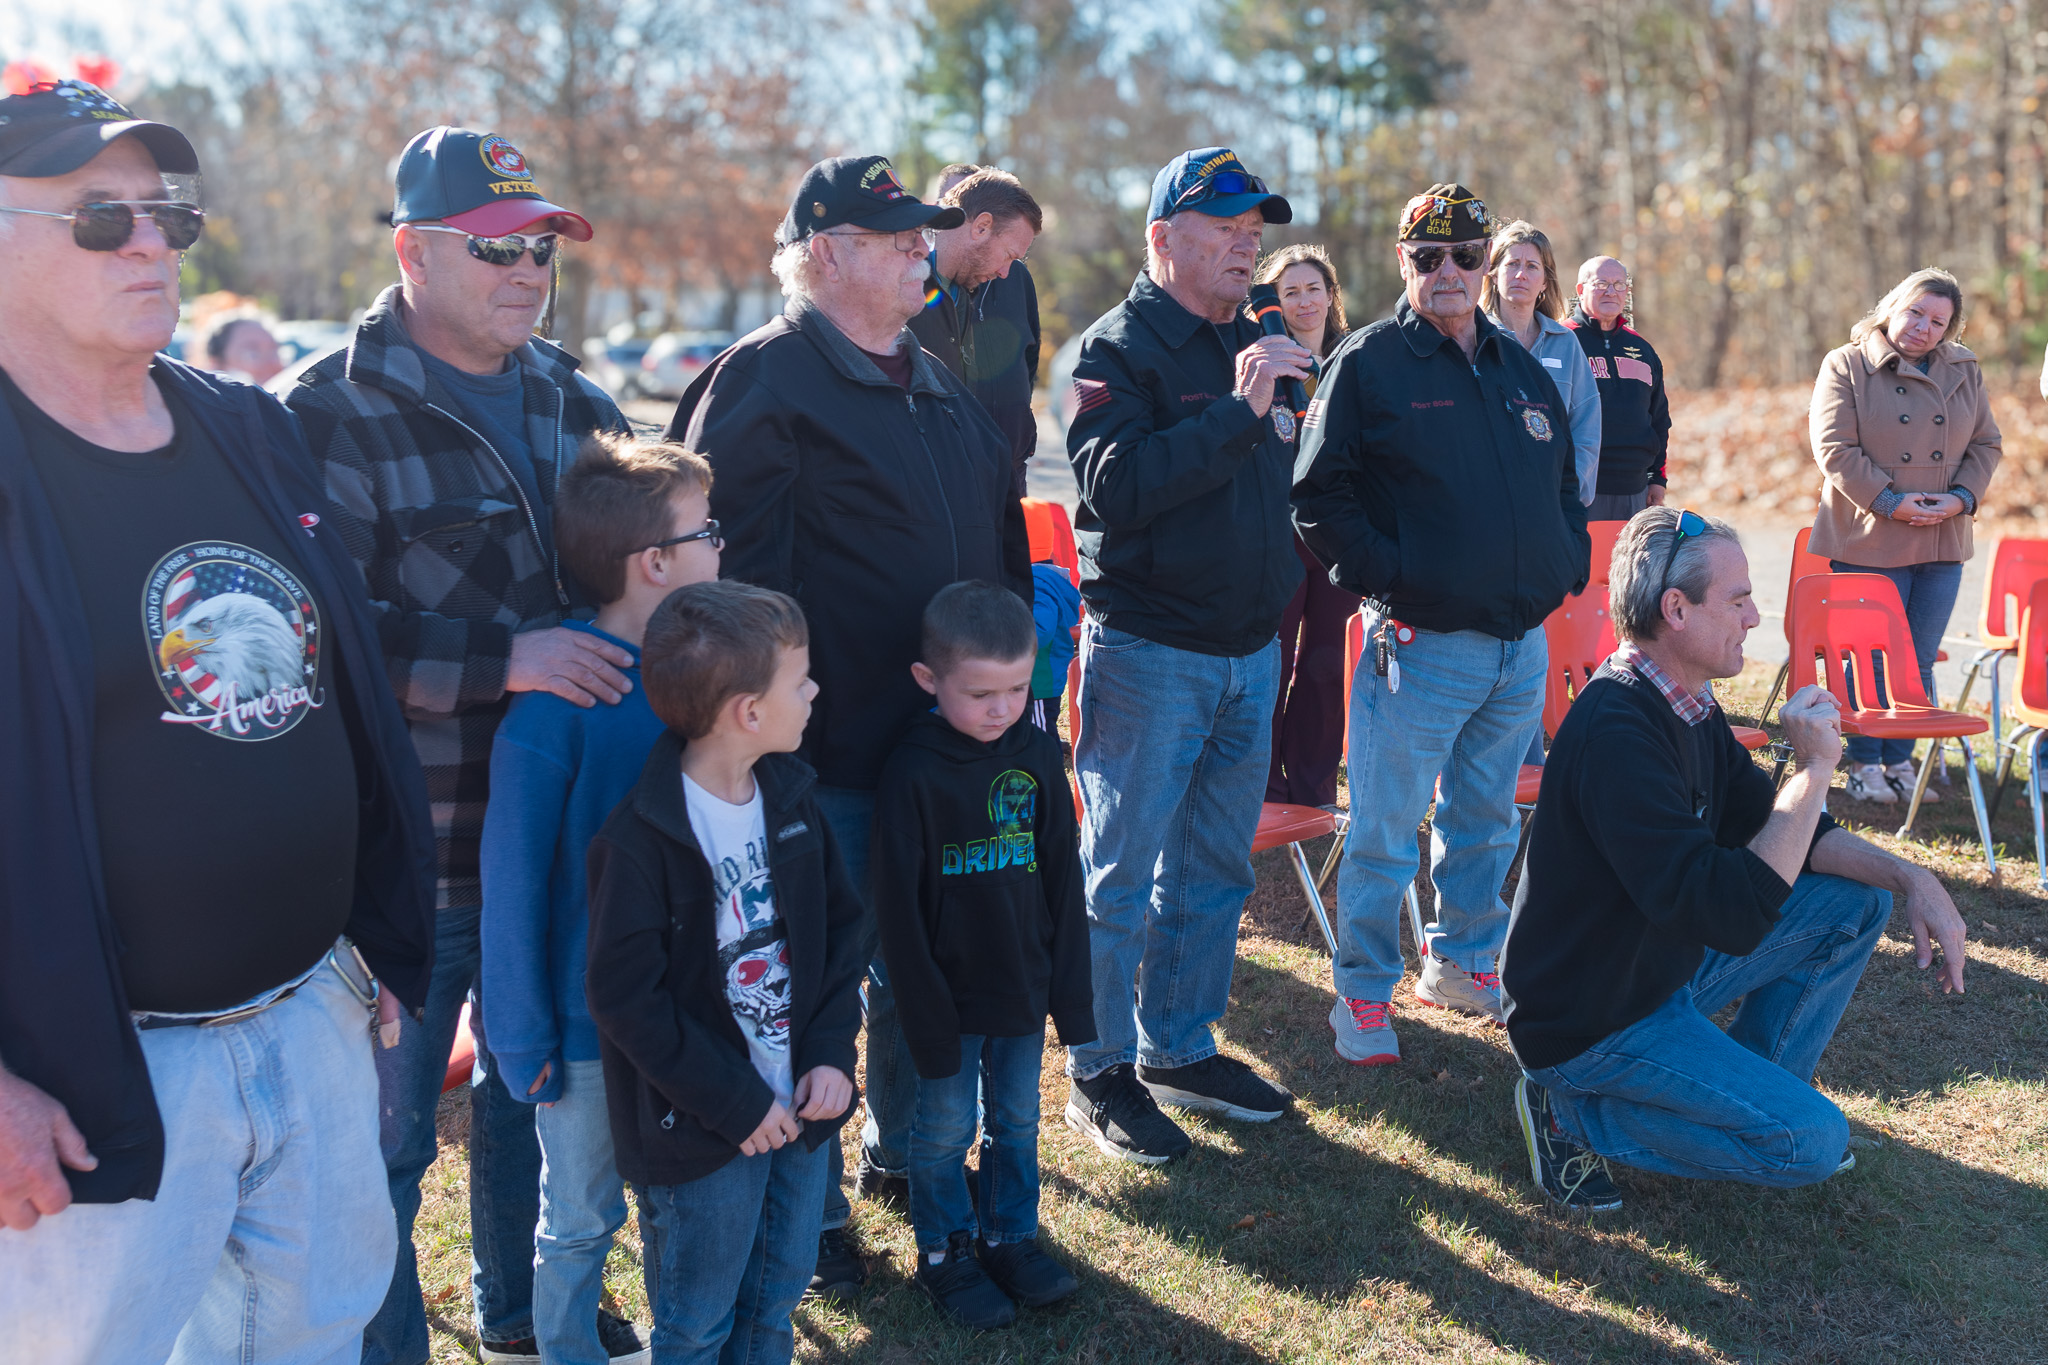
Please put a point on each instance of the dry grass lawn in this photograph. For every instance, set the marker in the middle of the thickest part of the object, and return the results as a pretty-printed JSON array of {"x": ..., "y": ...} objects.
[{"x": 1391, "y": 1217}]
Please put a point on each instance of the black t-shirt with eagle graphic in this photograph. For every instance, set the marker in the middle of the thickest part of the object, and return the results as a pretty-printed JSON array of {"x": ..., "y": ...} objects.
[{"x": 223, "y": 782}]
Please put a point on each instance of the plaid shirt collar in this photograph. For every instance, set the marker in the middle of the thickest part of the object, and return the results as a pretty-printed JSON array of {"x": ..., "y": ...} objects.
[{"x": 1692, "y": 707}]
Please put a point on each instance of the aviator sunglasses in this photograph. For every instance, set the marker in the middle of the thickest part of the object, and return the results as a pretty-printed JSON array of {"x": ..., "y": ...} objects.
[
  {"x": 1465, "y": 256},
  {"x": 107, "y": 225},
  {"x": 505, "y": 250}
]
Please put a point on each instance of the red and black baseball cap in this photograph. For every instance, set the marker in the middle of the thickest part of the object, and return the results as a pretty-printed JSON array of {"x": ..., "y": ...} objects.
[
  {"x": 58, "y": 126},
  {"x": 478, "y": 182},
  {"x": 863, "y": 192}
]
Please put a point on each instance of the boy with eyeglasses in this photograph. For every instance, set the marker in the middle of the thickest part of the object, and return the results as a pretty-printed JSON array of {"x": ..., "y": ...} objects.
[{"x": 632, "y": 520}]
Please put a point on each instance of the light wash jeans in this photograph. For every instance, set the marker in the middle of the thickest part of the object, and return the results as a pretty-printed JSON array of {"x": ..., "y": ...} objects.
[
  {"x": 730, "y": 1255},
  {"x": 1929, "y": 594},
  {"x": 1673, "y": 1093},
  {"x": 997, "y": 1089},
  {"x": 891, "y": 1091},
  {"x": 1173, "y": 756},
  {"x": 270, "y": 1237},
  {"x": 582, "y": 1206},
  {"x": 1466, "y": 706}
]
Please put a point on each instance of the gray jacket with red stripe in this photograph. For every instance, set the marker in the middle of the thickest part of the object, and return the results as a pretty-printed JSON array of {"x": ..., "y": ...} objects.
[{"x": 1635, "y": 414}]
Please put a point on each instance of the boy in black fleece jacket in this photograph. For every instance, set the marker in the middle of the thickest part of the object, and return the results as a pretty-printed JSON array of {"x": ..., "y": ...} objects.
[
  {"x": 726, "y": 951},
  {"x": 977, "y": 894}
]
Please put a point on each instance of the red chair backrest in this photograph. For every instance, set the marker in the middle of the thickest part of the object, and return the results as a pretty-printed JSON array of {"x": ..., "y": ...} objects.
[
  {"x": 1038, "y": 526},
  {"x": 1354, "y": 646},
  {"x": 1604, "y": 534},
  {"x": 1805, "y": 563},
  {"x": 1580, "y": 637},
  {"x": 2032, "y": 688},
  {"x": 1857, "y": 616},
  {"x": 2017, "y": 564}
]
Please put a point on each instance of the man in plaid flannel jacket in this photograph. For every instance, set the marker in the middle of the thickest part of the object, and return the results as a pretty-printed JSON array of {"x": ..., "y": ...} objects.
[{"x": 450, "y": 524}]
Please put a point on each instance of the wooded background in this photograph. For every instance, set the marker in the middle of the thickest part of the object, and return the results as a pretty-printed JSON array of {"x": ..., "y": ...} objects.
[{"x": 1766, "y": 169}]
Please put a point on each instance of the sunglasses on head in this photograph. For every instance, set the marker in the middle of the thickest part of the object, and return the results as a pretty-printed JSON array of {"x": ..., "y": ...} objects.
[
  {"x": 1690, "y": 524},
  {"x": 1217, "y": 186},
  {"x": 1465, "y": 256},
  {"x": 505, "y": 250},
  {"x": 108, "y": 224}
]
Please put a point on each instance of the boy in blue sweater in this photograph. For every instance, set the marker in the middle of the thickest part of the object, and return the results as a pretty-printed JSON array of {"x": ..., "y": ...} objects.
[{"x": 632, "y": 525}]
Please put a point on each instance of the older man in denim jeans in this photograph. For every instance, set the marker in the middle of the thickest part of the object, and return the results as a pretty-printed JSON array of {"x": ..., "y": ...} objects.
[{"x": 1182, "y": 451}]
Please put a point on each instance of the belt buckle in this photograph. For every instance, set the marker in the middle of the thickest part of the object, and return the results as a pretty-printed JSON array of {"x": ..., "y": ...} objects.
[{"x": 354, "y": 972}]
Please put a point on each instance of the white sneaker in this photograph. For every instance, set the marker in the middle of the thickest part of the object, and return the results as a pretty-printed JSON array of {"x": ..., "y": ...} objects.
[
  {"x": 1867, "y": 782},
  {"x": 1448, "y": 986},
  {"x": 1903, "y": 775}
]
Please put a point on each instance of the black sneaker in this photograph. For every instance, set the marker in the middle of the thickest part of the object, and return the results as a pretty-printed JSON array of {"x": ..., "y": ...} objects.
[
  {"x": 1120, "y": 1116},
  {"x": 623, "y": 1344},
  {"x": 1027, "y": 1274},
  {"x": 1217, "y": 1085},
  {"x": 959, "y": 1287},
  {"x": 521, "y": 1351},
  {"x": 1574, "y": 1176},
  {"x": 840, "y": 1273},
  {"x": 872, "y": 1182}
]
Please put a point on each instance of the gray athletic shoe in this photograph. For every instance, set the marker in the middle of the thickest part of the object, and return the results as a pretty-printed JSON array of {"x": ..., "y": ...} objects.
[
  {"x": 1446, "y": 985},
  {"x": 1365, "y": 1032}
]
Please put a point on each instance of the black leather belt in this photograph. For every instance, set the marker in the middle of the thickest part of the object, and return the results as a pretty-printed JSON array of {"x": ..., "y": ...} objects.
[{"x": 347, "y": 963}]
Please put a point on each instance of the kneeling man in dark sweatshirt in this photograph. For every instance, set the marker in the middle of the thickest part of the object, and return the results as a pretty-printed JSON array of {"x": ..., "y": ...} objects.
[{"x": 1666, "y": 881}]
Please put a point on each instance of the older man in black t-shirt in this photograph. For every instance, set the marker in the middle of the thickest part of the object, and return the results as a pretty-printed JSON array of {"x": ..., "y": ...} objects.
[{"x": 211, "y": 794}]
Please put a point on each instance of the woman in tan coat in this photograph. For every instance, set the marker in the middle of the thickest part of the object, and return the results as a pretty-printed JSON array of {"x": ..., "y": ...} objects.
[{"x": 1903, "y": 434}]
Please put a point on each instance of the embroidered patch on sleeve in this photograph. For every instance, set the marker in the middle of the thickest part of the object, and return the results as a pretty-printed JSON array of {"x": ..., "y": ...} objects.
[{"x": 1089, "y": 394}]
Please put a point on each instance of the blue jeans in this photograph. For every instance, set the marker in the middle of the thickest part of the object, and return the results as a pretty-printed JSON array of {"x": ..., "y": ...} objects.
[
  {"x": 891, "y": 1090},
  {"x": 1673, "y": 1093},
  {"x": 504, "y": 1161},
  {"x": 997, "y": 1087},
  {"x": 734, "y": 1250},
  {"x": 1172, "y": 758},
  {"x": 1929, "y": 592},
  {"x": 582, "y": 1205},
  {"x": 270, "y": 1236},
  {"x": 1465, "y": 709}
]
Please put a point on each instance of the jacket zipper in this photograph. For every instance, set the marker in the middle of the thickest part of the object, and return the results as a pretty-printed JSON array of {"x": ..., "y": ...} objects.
[
  {"x": 533, "y": 525},
  {"x": 952, "y": 531}
]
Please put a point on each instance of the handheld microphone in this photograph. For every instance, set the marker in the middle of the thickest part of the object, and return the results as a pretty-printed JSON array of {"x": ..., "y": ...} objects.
[{"x": 1264, "y": 301}]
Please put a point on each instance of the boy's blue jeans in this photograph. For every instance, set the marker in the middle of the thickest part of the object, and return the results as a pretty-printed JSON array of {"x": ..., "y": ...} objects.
[
  {"x": 1173, "y": 755},
  {"x": 1675, "y": 1094},
  {"x": 729, "y": 1255},
  {"x": 996, "y": 1086},
  {"x": 582, "y": 1205}
]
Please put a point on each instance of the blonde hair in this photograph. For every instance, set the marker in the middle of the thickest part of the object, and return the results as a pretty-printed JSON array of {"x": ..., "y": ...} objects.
[
  {"x": 1933, "y": 281},
  {"x": 1308, "y": 253},
  {"x": 1550, "y": 302}
]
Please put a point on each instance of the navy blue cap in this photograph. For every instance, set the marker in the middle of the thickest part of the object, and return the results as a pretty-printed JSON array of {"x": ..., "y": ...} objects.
[
  {"x": 861, "y": 191},
  {"x": 58, "y": 126},
  {"x": 478, "y": 182},
  {"x": 1212, "y": 180}
]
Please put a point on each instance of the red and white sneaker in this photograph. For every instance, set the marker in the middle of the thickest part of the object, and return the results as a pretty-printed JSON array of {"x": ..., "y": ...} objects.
[
  {"x": 1365, "y": 1032},
  {"x": 1448, "y": 986}
]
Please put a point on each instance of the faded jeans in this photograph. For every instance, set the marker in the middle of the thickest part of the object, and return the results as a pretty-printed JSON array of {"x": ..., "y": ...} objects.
[
  {"x": 1673, "y": 1093},
  {"x": 1929, "y": 593},
  {"x": 582, "y": 1206},
  {"x": 1172, "y": 759}
]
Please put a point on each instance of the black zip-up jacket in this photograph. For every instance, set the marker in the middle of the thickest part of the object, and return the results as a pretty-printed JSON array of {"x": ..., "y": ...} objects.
[
  {"x": 859, "y": 500},
  {"x": 1183, "y": 520},
  {"x": 977, "y": 891},
  {"x": 1638, "y": 863},
  {"x": 680, "y": 1089},
  {"x": 990, "y": 340},
  {"x": 1442, "y": 489},
  {"x": 64, "y": 1022},
  {"x": 1635, "y": 412}
]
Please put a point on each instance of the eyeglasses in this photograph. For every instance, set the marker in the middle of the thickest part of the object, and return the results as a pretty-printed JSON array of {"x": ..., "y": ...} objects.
[
  {"x": 710, "y": 533},
  {"x": 1690, "y": 524},
  {"x": 1597, "y": 286},
  {"x": 505, "y": 250},
  {"x": 909, "y": 239},
  {"x": 1465, "y": 256},
  {"x": 108, "y": 224},
  {"x": 1218, "y": 186}
]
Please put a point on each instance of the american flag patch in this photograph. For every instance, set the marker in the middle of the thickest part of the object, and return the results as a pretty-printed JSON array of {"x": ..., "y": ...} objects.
[
  {"x": 1089, "y": 394},
  {"x": 1314, "y": 416}
]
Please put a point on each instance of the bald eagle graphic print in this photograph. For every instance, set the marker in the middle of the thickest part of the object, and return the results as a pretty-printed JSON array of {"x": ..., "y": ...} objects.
[{"x": 234, "y": 638}]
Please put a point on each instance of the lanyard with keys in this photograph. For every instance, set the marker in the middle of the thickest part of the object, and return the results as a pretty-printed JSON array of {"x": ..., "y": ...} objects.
[{"x": 1386, "y": 650}]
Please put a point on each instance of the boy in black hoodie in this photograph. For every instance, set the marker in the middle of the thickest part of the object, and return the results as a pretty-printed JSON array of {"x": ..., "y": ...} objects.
[
  {"x": 726, "y": 951},
  {"x": 977, "y": 894}
]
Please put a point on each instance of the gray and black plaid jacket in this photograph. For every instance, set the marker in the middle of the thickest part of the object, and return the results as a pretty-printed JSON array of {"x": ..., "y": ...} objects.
[{"x": 455, "y": 557}]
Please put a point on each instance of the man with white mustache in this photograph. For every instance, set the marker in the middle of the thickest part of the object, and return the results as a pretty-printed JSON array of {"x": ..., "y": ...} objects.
[{"x": 1436, "y": 480}]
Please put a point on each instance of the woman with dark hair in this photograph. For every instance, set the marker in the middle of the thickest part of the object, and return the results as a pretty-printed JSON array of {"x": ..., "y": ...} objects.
[
  {"x": 1522, "y": 296},
  {"x": 1308, "y": 718},
  {"x": 1903, "y": 434}
]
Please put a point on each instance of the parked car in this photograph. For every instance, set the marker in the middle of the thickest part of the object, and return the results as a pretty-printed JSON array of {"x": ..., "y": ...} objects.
[
  {"x": 615, "y": 365},
  {"x": 673, "y": 359}
]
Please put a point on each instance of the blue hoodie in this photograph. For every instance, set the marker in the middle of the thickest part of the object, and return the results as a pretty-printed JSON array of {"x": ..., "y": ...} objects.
[{"x": 557, "y": 770}]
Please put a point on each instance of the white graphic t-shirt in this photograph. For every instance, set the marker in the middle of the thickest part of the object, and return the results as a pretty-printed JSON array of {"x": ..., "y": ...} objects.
[{"x": 753, "y": 942}]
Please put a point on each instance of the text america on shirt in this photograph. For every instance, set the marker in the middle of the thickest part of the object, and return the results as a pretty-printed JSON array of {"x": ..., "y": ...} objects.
[{"x": 234, "y": 640}]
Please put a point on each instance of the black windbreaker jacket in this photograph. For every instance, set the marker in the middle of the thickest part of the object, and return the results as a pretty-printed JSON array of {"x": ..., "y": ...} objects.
[
  {"x": 1183, "y": 521},
  {"x": 1441, "y": 489},
  {"x": 860, "y": 501},
  {"x": 1635, "y": 411},
  {"x": 990, "y": 340}
]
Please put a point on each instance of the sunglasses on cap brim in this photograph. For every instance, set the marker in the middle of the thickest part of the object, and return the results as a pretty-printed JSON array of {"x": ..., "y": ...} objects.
[
  {"x": 1465, "y": 256},
  {"x": 107, "y": 225},
  {"x": 505, "y": 249},
  {"x": 1220, "y": 185}
]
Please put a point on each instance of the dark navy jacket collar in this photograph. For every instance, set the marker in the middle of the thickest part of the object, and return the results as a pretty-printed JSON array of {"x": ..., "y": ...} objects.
[
  {"x": 1165, "y": 314},
  {"x": 1424, "y": 339}
]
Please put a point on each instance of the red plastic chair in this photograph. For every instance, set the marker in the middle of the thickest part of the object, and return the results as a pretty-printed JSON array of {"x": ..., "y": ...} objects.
[
  {"x": 1804, "y": 564},
  {"x": 2030, "y": 711},
  {"x": 1052, "y": 536},
  {"x": 461, "y": 1057},
  {"x": 1852, "y": 620},
  {"x": 1604, "y": 534},
  {"x": 2017, "y": 564}
]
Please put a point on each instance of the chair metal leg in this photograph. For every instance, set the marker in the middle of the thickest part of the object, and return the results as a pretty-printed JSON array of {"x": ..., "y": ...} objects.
[
  {"x": 1784, "y": 671},
  {"x": 2034, "y": 791},
  {"x": 1997, "y": 719},
  {"x": 2002, "y": 770},
  {"x": 1315, "y": 900},
  {"x": 1334, "y": 856},
  {"x": 1977, "y": 804},
  {"x": 1414, "y": 901},
  {"x": 1919, "y": 789}
]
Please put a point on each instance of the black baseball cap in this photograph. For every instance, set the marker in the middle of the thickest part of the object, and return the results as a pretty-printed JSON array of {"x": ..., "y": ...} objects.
[
  {"x": 58, "y": 126},
  {"x": 1212, "y": 180},
  {"x": 859, "y": 191},
  {"x": 1445, "y": 213},
  {"x": 478, "y": 182}
]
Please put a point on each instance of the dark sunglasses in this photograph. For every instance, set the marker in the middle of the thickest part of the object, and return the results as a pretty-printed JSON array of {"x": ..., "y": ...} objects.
[
  {"x": 107, "y": 225},
  {"x": 1690, "y": 524},
  {"x": 710, "y": 533},
  {"x": 1217, "y": 186},
  {"x": 1465, "y": 256},
  {"x": 505, "y": 250}
]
